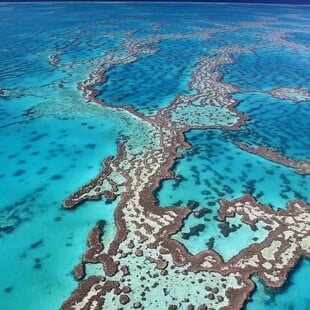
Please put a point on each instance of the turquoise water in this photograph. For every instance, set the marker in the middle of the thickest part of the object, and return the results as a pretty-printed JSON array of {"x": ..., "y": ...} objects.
[
  {"x": 42, "y": 163},
  {"x": 293, "y": 296},
  {"x": 216, "y": 169},
  {"x": 38, "y": 257},
  {"x": 52, "y": 141}
]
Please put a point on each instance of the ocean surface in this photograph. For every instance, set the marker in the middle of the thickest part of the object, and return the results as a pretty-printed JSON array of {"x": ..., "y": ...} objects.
[{"x": 53, "y": 140}]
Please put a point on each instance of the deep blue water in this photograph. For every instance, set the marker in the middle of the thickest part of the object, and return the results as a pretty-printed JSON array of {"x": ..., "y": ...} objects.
[
  {"x": 291, "y": 120},
  {"x": 271, "y": 67},
  {"x": 152, "y": 82}
]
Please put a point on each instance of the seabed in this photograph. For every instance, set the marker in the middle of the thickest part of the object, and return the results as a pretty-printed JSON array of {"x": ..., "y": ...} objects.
[{"x": 154, "y": 156}]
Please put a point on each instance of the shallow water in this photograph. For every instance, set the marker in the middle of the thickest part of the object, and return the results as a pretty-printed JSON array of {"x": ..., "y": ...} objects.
[
  {"x": 52, "y": 141},
  {"x": 216, "y": 169},
  {"x": 293, "y": 296}
]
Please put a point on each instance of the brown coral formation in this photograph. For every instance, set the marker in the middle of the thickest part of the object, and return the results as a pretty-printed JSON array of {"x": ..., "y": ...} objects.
[
  {"x": 300, "y": 166},
  {"x": 280, "y": 38},
  {"x": 287, "y": 242},
  {"x": 99, "y": 185},
  {"x": 79, "y": 271},
  {"x": 296, "y": 94},
  {"x": 143, "y": 256}
]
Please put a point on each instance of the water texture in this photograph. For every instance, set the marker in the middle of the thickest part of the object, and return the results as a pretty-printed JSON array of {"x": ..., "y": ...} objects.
[{"x": 54, "y": 139}]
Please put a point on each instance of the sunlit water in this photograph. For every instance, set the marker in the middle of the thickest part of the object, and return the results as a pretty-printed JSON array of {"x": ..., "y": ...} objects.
[{"x": 53, "y": 142}]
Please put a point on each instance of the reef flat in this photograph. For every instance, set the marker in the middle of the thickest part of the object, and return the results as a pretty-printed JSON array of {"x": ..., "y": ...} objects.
[
  {"x": 144, "y": 229},
  {"x": 203, "y": 185}
]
